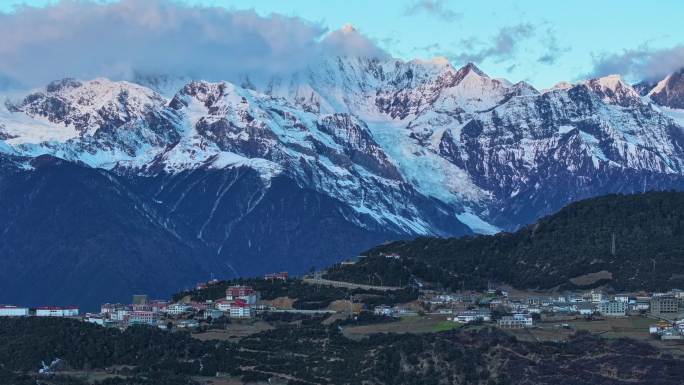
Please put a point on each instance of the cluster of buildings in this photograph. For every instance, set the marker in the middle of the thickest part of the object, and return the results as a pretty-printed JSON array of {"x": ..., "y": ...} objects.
[
  {"x": 240, "y": 302},
  {"x": 43, "y": 311},
  {"x": 394, "y": 311},
  {"x": 516, "y": 312},
  {"x": 594, "y": 302},
  {"x": 668, "y": 330},
  {"x": 280, "y": 276}
]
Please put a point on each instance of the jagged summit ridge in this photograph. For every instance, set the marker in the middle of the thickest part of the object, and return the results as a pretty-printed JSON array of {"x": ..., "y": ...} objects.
[{"x": 389, "y": 138}]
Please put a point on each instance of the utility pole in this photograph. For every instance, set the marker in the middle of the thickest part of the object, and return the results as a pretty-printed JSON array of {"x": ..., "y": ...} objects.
[
  {"x": 612, "y": 246},
  {"x": 351, "y": 306}
]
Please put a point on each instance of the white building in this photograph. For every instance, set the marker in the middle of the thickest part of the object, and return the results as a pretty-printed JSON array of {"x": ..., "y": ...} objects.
[
  {"x": 240, "y": 309},
  {"x": 120, "y": 314},
  {"x": 585, "y": 308},
  {"x": 517, "y": 321},
  {"x": 13, "y": 311},
  {"x": 55, "y": 311},
  {"x": 473, "y": 316},
  {"x": 383, "y": 310},
  {"x": 213, "y": 313},
  {"x": 223, "y": 305},
  {"x": 622, "y": 298},
  {"x": 245, "y": 293},
  {"x": 613, "y": 308},
  {"x": 111, "y": 308},
  {"x": 596, "y": 296},
  {"x": 96, "y": 319},
  {"x": 141, "y": 317},
  {"x": 178, "y": 309}
]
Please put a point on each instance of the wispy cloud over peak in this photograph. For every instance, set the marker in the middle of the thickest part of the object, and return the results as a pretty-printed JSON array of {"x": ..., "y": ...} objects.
[
  {"x": 87, "y": 39},
  {"x": 642, "y": 63},
  {"x": 436, "y": 8},
  {"x": 501, "y": 47}
]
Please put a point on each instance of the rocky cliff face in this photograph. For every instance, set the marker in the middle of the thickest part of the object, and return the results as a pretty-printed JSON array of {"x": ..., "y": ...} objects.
[
  {"x": 311, "y": 167},
  {"x": 669, "y": 92}
]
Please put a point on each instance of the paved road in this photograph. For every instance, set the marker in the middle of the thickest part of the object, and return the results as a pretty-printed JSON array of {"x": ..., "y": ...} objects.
[{"x": 348, "y": 285}]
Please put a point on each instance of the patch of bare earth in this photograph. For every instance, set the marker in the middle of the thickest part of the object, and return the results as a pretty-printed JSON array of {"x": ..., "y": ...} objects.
[
  {"x": 279, "y": 303},
  {"x": 591, "y": 278},
  {"x": 233, "y": 331}
]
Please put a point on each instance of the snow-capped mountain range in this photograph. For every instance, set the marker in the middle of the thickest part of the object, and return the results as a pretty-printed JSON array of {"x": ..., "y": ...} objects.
[{"x": 389, "y": 149}]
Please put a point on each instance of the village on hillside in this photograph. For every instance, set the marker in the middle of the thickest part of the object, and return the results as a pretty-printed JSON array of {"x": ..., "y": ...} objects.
[{"x": 660, "y": 314}]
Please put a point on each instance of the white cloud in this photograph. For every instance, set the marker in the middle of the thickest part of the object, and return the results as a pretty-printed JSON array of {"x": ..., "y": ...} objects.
[
  {"x": 85, "y": 39},
  {"x": 502, "y": 46},
  {"x": 641, "y": 63},
  {"x": 436, "y": 8}
]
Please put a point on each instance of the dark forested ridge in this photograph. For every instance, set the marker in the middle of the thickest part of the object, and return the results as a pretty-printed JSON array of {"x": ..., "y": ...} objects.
[
  {"x": 311, "y": 352},
  {"x": 558, "y": 250}
]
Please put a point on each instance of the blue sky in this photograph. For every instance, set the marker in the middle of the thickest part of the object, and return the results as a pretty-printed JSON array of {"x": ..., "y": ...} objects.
[{"x": 542, "y": 42}]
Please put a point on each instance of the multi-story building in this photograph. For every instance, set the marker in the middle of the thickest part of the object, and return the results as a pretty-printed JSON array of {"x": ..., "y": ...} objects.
[
  {"x": 141, "y": 317},
  {"x": 245, "y": 293},
  {"x": 664, "y": 305},
  {"x": 281, "y": 276},
  {"x": 198, "y": 306},
  {"x": 55, "y": 311},
  {"x": 142, "y": 307},
  {"x": 213, "y": 313},
  {"x": 120, "y": 313},
  {"x": 516, "y": 321},
  {"x": 621, "y": 297},
  {"x": 178, "y": 309},
  {"x": 473, "y": 316},
  {"x": 585, "y": 308},
  {"x": 13, "y": 311},
  {"x": 240, "y": 309},
  {"x": 223, "y": 305},
  {"x": 640, "y": 305},
  {"x": 159, "y": 306},
  {"x": 596, "y": 296},
  {"x": 613, "y": 308}
]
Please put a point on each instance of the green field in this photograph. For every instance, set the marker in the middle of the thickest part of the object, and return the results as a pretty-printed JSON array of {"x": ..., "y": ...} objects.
[{"x": 447, "y": 325}]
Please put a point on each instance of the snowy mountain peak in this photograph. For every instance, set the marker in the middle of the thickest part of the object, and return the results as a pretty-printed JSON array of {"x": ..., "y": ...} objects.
[
  {"x": 69, "y": 108},
  {"x": 669, "y": 92},
  {"x": 58, "y": 85},
  {"x": 560, "y": 86},
  {"x": 470, "y": 68},
  {"x": 614, "y": 90}
]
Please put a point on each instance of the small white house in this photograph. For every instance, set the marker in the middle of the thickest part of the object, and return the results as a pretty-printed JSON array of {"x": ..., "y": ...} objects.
[
  {"x": 223, "y": 305},
  {"x": 96, "y": 319},
  {"x": 622, "y": 298},
  {"x": 383, "y": 310}
]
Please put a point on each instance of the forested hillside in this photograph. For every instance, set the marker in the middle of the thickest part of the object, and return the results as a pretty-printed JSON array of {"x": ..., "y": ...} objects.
[
  {"x": 310, "y": 352},
  {"x": 629, "y": 242}
]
